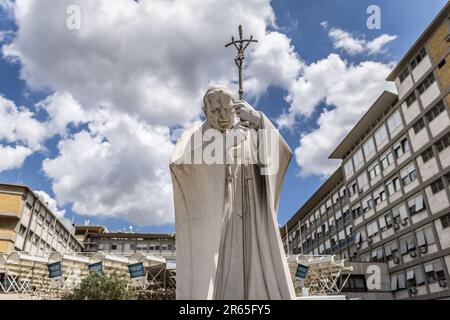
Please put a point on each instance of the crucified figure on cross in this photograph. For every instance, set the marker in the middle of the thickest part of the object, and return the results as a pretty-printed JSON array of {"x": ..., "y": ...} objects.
[{"x": 241, "y": 45}]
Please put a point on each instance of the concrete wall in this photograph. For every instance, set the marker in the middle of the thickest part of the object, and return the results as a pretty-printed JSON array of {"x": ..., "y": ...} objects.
[
  {"x": 438, "y": 201},
  {"x": 443, "y": 234}
]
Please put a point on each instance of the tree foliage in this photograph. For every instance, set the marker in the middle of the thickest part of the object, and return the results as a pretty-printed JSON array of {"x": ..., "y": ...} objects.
[{"x": 100, "y": 286}]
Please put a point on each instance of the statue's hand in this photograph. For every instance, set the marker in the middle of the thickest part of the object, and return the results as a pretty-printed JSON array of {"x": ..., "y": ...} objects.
[{"x": 247, "y": 113}]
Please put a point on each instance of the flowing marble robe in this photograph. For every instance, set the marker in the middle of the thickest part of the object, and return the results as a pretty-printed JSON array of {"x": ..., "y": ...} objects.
[{"x": 210, "y": 240}]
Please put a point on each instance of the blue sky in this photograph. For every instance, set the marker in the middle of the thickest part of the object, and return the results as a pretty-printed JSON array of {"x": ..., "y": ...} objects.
[{"x": 299, "y": 21}]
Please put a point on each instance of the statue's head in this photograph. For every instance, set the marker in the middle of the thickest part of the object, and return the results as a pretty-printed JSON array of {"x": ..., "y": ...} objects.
[{"x": 218, "y": 106}]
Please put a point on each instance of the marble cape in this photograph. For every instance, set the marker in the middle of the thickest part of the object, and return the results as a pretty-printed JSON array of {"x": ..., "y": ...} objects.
[{"x": 210, "y": 240}]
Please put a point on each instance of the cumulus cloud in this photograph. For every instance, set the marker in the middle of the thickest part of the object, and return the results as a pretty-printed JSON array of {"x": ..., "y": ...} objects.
[
  {"x": 349, "y": 89},
  {"x": 151, "y": 59},
  {"x": 63, "y": 110},
  {"x": 13, "y": 157},
  {"x": 22, "y": 134},
  {"x": 354, "y": 45},
  {"x": 116, "y": 168},
  {"x": 19, "y": 125}
]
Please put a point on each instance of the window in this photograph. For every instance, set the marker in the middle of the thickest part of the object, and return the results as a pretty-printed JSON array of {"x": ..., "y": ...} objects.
[
  {"x": 381, "y": 135},
  {"x": 435, "y": 111},
  {"x": 387, "y": 160},
  {"x": 362, "y": 182},
  {"x": 425, "y": 237},
  {"x": 385, "y": 222},
  {"x": 437, "y": 186},
  {"x": 114, "y": 247},
  {"x": 411, "y": 99},
  {"x": 408, "y": 175},
  {"x": 418, "y": 126},
  {"x": 358, "y": 158},
  {"x": 369, "y": 147},
  {"x": 374, "y": 171},
  {"x": 367, "y": 204},
  {"x": 391, "y": 250},
  {"x": 398, "y": 282},
  {"x": 394, "y": 122},
  {"x": 427, "y": 155},
  {"x": 401, "y": 148},
  {"x": 414, "y": 277},
  {"x": 352, "y": 189},
  {"x": 445, "y": 221},
  {"x": 407, "y": 244},
  {"x": 402, "y": 77},
  {"x": 393, "y": 186},
  {"x": 379, "y": 196},
  {"x": 356, "y": 212},
  {"x": 348, "y": 168},
  {"x": 447, "y": 177},
  {"x": 426, "y": 83},
  {"x": 372, "y": 229},
  {"x": 443, "y": 143},
  {"x": 400, "y": 215},
  {"x": 416, "y": 204},
  {"x": 434, "y": 272},
  {"x": 422, "y": 54}
]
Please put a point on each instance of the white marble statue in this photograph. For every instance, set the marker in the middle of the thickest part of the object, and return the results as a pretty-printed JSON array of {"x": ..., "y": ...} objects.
[{"x": 224, "y": 251}]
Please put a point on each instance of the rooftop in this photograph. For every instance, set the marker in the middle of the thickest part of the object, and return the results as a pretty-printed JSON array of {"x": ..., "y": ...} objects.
[{"x": 386, "y": 100}]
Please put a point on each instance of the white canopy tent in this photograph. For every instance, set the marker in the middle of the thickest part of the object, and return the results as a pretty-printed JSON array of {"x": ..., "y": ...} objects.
[{"x": 327, "y": 275}]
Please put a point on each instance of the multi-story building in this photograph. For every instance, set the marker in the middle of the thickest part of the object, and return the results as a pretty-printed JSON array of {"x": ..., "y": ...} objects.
[
  {"x": 389, "y": 200},
  {"x": 27, "y": 224},
  {"x": 126, "y": 243}
]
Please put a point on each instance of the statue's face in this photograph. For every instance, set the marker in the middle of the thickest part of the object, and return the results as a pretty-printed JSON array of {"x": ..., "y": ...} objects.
[{"x": 219, "y": 110}]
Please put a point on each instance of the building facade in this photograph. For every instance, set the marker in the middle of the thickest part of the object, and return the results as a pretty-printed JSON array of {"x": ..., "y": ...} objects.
[
  {"x": 27, "y": 224},
  {"x": 126, "y": 243},
  {"x": 389, "y": 202}
]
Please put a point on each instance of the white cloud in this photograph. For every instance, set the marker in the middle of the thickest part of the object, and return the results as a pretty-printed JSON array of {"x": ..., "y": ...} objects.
[
  {"x": 119, "y": 168},
  {"x": 13, "y": 157},
  {"x": 19, "y": 126},
  {"x": 350, "y": 89},
  {"x": 353, "y": 45},
  {"x": 377, "y": 45},
  {"x": 152, "y": 59},
  {"x": 324, "y": 24},
  {"x": 274, "y": 62},
  {"x": 62, "y": 110}
]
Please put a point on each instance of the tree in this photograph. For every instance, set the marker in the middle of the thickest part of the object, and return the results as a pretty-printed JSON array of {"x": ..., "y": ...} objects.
[{"x": 100, "y": 286}]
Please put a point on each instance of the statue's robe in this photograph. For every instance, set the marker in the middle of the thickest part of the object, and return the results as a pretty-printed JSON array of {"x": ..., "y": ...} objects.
[{"x": 210, "y": 240}]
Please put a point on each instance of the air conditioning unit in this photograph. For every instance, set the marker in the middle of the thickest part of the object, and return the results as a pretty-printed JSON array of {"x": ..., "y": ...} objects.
[
  {"x": 424, "y": 249},
  {"x": 413, "y": 254},
  {"x": 404, "y": 223},
  {"x": 413, "y": 290},
  {"x": 396, "y": 226},
  {"x": 369, "y": 240},
  {"x": 396, "y": 260},
  {"x": 442, "y": 283}
]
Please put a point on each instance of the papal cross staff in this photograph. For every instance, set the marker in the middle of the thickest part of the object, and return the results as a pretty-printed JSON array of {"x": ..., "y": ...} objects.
[{"x": 241, "y": 45}]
